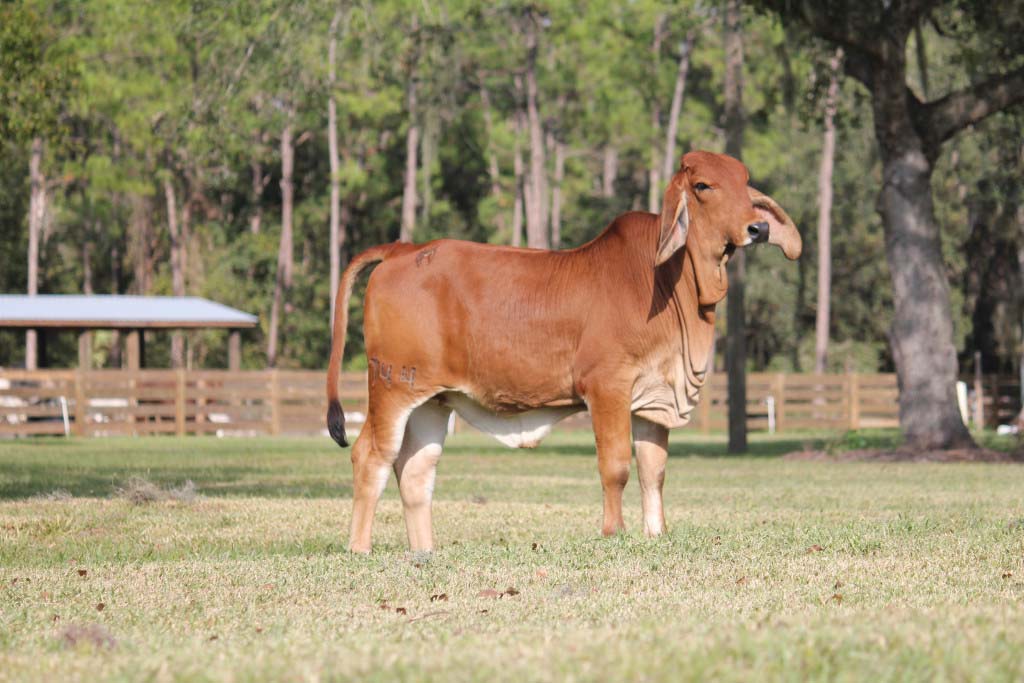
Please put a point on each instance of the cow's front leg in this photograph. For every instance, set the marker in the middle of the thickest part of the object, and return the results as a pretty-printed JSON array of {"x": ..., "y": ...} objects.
[
  {"x": 651, "y": 442},
  {"x": 416, "y": 469},
  {"x": 610, "y": 413}
]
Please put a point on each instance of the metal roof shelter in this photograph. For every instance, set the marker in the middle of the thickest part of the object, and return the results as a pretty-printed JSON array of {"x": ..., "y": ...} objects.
[{"x": 133, "y": 314}]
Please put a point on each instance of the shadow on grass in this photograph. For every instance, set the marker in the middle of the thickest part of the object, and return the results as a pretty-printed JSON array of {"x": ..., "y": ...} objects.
[{"x": 307, "y": 468}]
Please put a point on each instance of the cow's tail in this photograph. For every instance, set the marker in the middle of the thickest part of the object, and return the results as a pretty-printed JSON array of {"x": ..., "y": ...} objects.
[{"x": 335, "y": 415}]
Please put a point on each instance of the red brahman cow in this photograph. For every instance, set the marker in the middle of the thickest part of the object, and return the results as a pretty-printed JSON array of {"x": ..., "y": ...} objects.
[{"x": 515, "y": 340}]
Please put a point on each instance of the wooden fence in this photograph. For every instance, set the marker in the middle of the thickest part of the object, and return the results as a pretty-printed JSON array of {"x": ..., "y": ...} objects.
[{"x": 233, "y": 403}]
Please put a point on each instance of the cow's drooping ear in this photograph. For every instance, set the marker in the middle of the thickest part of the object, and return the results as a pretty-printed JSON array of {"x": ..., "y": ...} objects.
[
  {"x": 674, "y": 220},
  {"x": 782, "y": 231}
]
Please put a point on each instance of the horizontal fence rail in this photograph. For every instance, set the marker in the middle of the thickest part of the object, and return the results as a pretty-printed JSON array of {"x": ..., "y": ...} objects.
[{"x": 273, "y": 402}]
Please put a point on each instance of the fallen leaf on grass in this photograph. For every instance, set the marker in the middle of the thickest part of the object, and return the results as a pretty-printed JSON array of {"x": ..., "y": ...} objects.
[
  {"x": 491, "y": 593},
  {"x": 837, "y": 585},
  {"x": 542, "y": 573},
  {"x": 401, "y": 610},
  {"x": 814, "y": 549},
  {"x": 439, "y": 597},
  {"x": 1007, "y": 575},
  {"x": 100, "y": 606},
  {"x": 740, "y": 581},
  {"x": 213, "y": 638},
  {"x": 717, "y": 540},
  {"x": 837, "y": 598},
  {"x": 83, "y": 572}
]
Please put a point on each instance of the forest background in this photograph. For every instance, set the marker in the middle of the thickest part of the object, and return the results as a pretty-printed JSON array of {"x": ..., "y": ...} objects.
[{"x": 245, "y": 150}]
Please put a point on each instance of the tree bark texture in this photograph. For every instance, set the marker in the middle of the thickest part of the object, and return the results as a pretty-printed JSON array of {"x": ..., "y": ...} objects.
[
  {"x": 412, "y": 142},
  {"x": 518, "y": 166},
  {"x": 828, "y": 152},
  {"x": 654, "y": 168},
  {"x": 922, "y": 330},
  {"x": 556, "y": 195},
  {"x": 177, "y": 266},
  {"x": 36, "y": 215},
  {"x": 670, "y": 161},
  {"x": 736, "y": 342},
  {"x": 334, "y": 237},
  {"x": 493, "y": 170},
  {"x": 536, "y": 195},
  {"x": 285, "y": 257}
]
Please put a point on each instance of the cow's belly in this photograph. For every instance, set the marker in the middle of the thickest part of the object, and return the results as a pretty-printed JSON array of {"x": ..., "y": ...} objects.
[{"x": 525, "y": 429}]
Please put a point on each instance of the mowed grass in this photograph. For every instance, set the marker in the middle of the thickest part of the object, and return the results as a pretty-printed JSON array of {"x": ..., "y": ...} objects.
[{"x": 771, "y": 569}]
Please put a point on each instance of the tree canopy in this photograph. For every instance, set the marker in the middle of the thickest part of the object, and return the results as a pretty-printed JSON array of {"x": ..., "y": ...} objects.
[{"x": 555, "y": 111}]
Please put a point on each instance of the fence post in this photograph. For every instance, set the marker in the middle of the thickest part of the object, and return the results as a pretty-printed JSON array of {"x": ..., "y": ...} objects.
[
  {"x": 979, "y": 393},
  {"x": 179, "y": 402},
  {"x": 275, "y": 404},
  {"x": 779, "y": 392},
  {"x": 853, "y": 399},
  {"x": 80, "y": 407}
]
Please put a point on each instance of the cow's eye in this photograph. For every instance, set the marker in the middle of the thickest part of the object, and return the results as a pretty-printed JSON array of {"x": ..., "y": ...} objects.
[{"x": 700, "y": 187}]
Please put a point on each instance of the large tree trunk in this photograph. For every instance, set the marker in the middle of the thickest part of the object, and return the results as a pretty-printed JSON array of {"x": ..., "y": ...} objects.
[
  {"x": 285, "y": 259},
  {"x": 922, "y": 329},
  {"x": 609, "y": 170},
  {"x": 828, "y": 153},
  {"x": 335, "y": 164},
  {"x": 653, "y": 167},
  {"x": 412, "y": 142},
  {"x": 36, "y": 215},
  {"x": 140, "y": 248},
  {"x": 536, "y": 196},
  {"x": 736, "y": 342},
  {"x": 670, "y": 162},
  {"x": 428, "y": 159},
  {"x": 493, "y": 170},
  {"x": 556, "y": 195},
  {"x": 518, "y": 166},
  {"x": 177, "y": 266}
]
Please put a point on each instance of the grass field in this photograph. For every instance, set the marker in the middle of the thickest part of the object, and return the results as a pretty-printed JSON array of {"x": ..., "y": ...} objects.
[{"x": 771, "y": 570}]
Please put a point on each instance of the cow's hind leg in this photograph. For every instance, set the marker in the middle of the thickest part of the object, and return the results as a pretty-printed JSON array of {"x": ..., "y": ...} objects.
[
  {"x": 416, "y": 467},
  {"x": 651, "y": 442},
  {"x": 373, "y": 454}
]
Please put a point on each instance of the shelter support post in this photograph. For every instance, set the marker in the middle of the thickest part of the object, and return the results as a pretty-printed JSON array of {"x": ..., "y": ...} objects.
[
  {"x": 235, "y": 350},
  {"x": 133, "y": 349},
  {"x": 84, "y": 349}
]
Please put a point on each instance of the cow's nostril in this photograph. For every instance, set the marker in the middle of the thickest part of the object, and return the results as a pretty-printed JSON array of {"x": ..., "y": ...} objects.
[{"x": 758, "y": 231}]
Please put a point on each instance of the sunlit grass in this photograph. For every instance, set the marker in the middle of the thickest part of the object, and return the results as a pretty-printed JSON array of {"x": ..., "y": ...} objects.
[{"x": 772, "y": 569}]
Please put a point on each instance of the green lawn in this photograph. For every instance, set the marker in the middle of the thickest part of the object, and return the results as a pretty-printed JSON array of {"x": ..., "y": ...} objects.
[{"x": 771, "y": 570}]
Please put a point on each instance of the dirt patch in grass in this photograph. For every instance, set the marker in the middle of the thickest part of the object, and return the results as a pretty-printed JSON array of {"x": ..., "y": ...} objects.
[
  {"x": 96, "y": 635},
  {"x": 886, "y": 455},
  {"x": 141, "y": 491}
]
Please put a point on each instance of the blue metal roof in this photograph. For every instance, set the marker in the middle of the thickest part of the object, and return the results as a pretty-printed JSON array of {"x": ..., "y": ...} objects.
[{"x": 117, "y": 311}]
